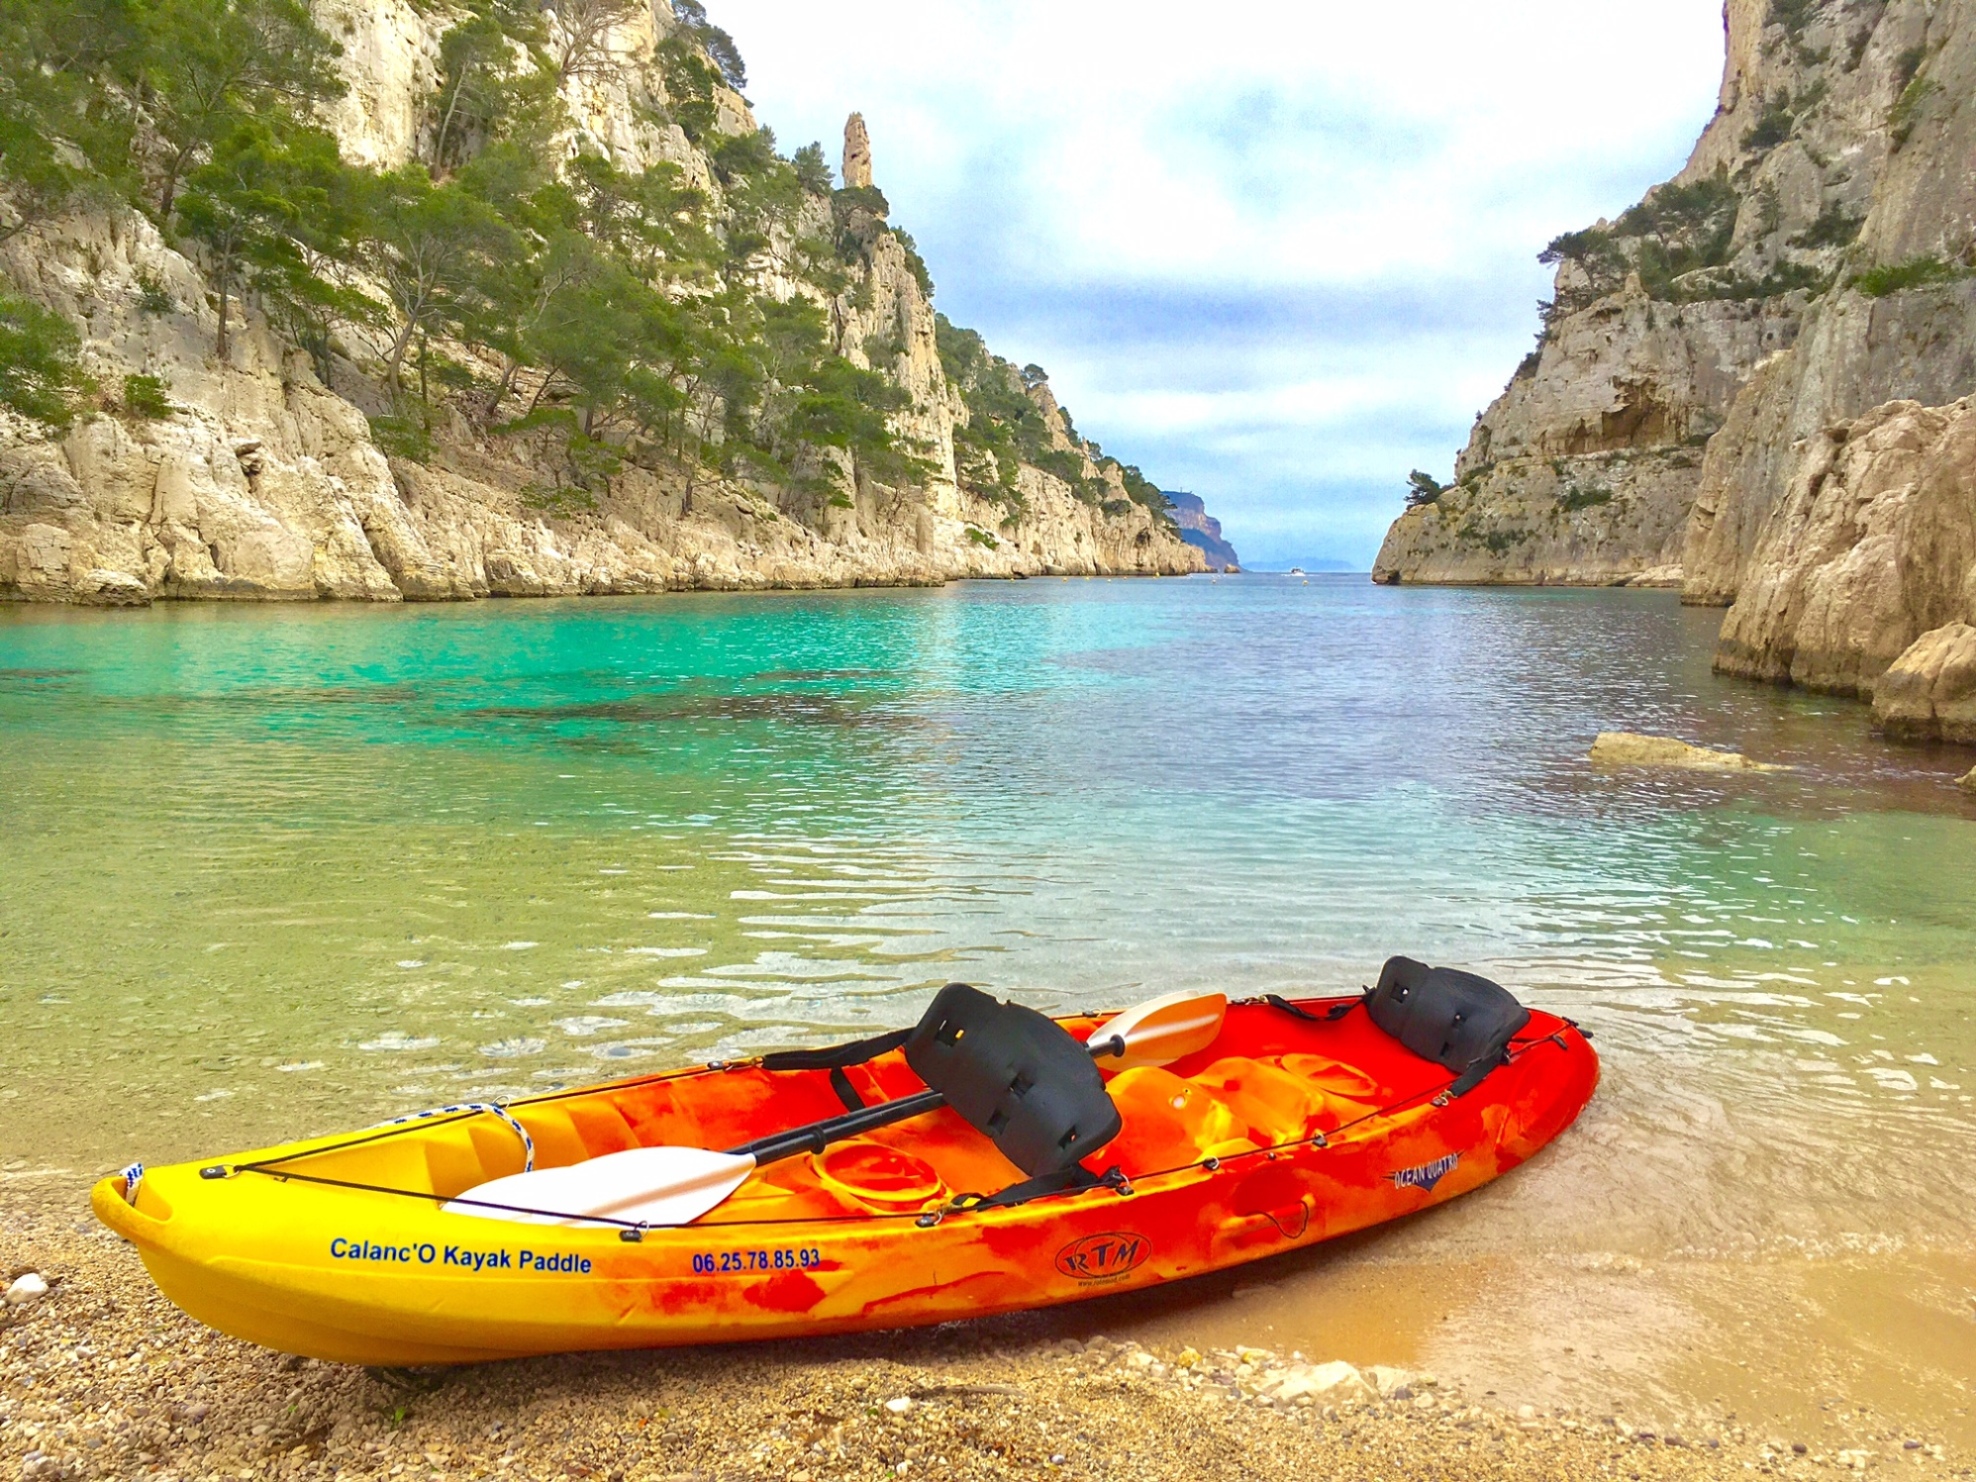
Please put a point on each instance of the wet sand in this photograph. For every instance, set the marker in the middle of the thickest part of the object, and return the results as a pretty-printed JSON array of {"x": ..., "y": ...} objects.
[
  {"x": 102, "y": 1377},
  {"x": 1788, "y": 1347}
]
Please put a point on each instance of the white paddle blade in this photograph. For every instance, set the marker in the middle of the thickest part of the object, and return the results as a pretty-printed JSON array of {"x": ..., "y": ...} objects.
[
  {"x": 1161, "y": 1030},
  {"x": 651, "y": 1186}
]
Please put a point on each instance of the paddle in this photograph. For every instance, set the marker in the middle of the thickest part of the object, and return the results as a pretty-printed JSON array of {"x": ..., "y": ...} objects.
[{"x": 676, "y": 1185}]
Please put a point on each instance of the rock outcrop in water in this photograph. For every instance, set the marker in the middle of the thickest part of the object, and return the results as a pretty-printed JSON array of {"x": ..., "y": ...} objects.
[
  {"x": 1929, "y": 694},
  {"x": 272, "y": 471},
  {"x": 1626, "y": 749},
  {"x": 1749, "y": 383},
  {"x": 1868, "y": 550}
]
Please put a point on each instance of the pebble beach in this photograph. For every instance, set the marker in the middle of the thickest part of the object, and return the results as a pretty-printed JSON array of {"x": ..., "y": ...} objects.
[{"x": 101, "y": 1377}]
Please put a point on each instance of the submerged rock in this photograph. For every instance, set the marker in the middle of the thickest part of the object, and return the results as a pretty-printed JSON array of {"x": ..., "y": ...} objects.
[{"x": 1625, "y": 749}]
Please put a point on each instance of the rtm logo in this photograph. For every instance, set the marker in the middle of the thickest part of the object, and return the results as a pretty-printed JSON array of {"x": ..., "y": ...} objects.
[
  {"x": 1102, "y": 1257},
  {"x": 1426, "y": 1175}
]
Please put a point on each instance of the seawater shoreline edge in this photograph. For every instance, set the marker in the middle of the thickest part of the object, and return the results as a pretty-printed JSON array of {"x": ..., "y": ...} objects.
[
  {"x": 106, "y": 1379},
  {"x": 16, "y": 601}
]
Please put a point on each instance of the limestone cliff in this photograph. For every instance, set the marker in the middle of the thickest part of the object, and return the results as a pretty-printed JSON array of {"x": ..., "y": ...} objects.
[
  {"x": 1693, "y": 340},
  {"x": 269, "y": 474},
  {"x": 1835, "y": 509},
  {"x": 1869, "y": 548},
  {"x": 1203, "y": 531}
]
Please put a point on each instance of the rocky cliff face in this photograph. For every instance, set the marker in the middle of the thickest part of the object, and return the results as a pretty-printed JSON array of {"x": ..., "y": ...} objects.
[
  {"x": 1203, "y": 531},
  {"x": 262, "y": 481},
  {"x": 1767, "y": 368},
  {"x": 1870, "y": 546},
  {"x": 1694, "y": 340}
]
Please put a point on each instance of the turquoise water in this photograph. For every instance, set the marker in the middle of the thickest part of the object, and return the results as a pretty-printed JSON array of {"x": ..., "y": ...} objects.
[{"x": 273, "y": 870}]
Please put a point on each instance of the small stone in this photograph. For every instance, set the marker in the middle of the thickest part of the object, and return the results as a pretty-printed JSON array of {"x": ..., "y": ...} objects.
[
  {"x": 1336, "y": 1381},
  {"x": 1388, "y": 1380},
  {"x": 1910, "y": 1445},
  {"x": 29, "y": 1288},
  {"x": 1798, "y": 1448},
  {"x": 900, "y": 1405},
  {"x": 1189, "y": 1357},
  {"x": 36, "y": 1466}
]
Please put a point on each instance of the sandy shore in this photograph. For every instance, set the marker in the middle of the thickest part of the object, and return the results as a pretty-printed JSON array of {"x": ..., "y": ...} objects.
[{"x": 101, "y": 1377}]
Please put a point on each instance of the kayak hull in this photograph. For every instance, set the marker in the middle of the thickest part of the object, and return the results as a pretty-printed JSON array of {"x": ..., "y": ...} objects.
[{"x": 292, "y": 1257}]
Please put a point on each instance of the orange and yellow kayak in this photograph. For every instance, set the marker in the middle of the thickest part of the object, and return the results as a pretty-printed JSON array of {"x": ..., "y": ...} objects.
[{"x": 1298, "y": 1123}]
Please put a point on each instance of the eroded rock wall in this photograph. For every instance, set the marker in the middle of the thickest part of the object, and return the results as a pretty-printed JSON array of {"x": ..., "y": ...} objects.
[
  {"x": 1870, "y": 547},
  {"x": 1866, "y": 342},
  {"x": 1838, "y": 507},
  {"x": 1839, "y": 144}
]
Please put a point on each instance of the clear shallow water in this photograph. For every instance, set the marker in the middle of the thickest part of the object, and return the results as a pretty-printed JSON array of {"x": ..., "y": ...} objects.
[{"x": 267, "y": 871}]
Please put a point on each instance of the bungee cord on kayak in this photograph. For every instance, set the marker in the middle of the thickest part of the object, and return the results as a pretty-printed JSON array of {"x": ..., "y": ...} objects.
[{"x": 962, "y": 1203}]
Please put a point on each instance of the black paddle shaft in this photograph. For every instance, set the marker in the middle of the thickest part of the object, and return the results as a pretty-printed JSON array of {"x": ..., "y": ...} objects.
[{"x": 820, "y": 1135}]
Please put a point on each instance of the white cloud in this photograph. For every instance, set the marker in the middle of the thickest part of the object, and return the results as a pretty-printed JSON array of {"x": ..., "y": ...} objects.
[{"x": 1276, "y": 252}]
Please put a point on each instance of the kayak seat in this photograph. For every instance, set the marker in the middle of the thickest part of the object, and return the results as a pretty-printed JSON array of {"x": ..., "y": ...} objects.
[{"x": 1462, "y": 1022}]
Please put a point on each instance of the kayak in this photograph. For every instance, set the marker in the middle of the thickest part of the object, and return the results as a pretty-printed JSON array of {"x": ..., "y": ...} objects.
[{"x": 1298, "y": 1122}]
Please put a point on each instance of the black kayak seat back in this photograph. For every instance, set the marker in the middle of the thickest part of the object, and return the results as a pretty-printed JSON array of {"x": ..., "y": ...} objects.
[
  {"x": 1015, "y": 1075},
  {"x": 1461, "y": 1021}
]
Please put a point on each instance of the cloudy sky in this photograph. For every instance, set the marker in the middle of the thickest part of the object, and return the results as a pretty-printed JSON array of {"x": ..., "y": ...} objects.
[{"x": 1277, "y": 252}]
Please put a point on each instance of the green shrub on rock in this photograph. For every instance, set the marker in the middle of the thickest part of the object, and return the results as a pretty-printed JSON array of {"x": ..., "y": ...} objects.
[
  {"x": 1423, "y": 489},
  {"x": 39, "y": 376},
  {"x": 147, "y": 399},
  {"x": 1916, "y": 272}
]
